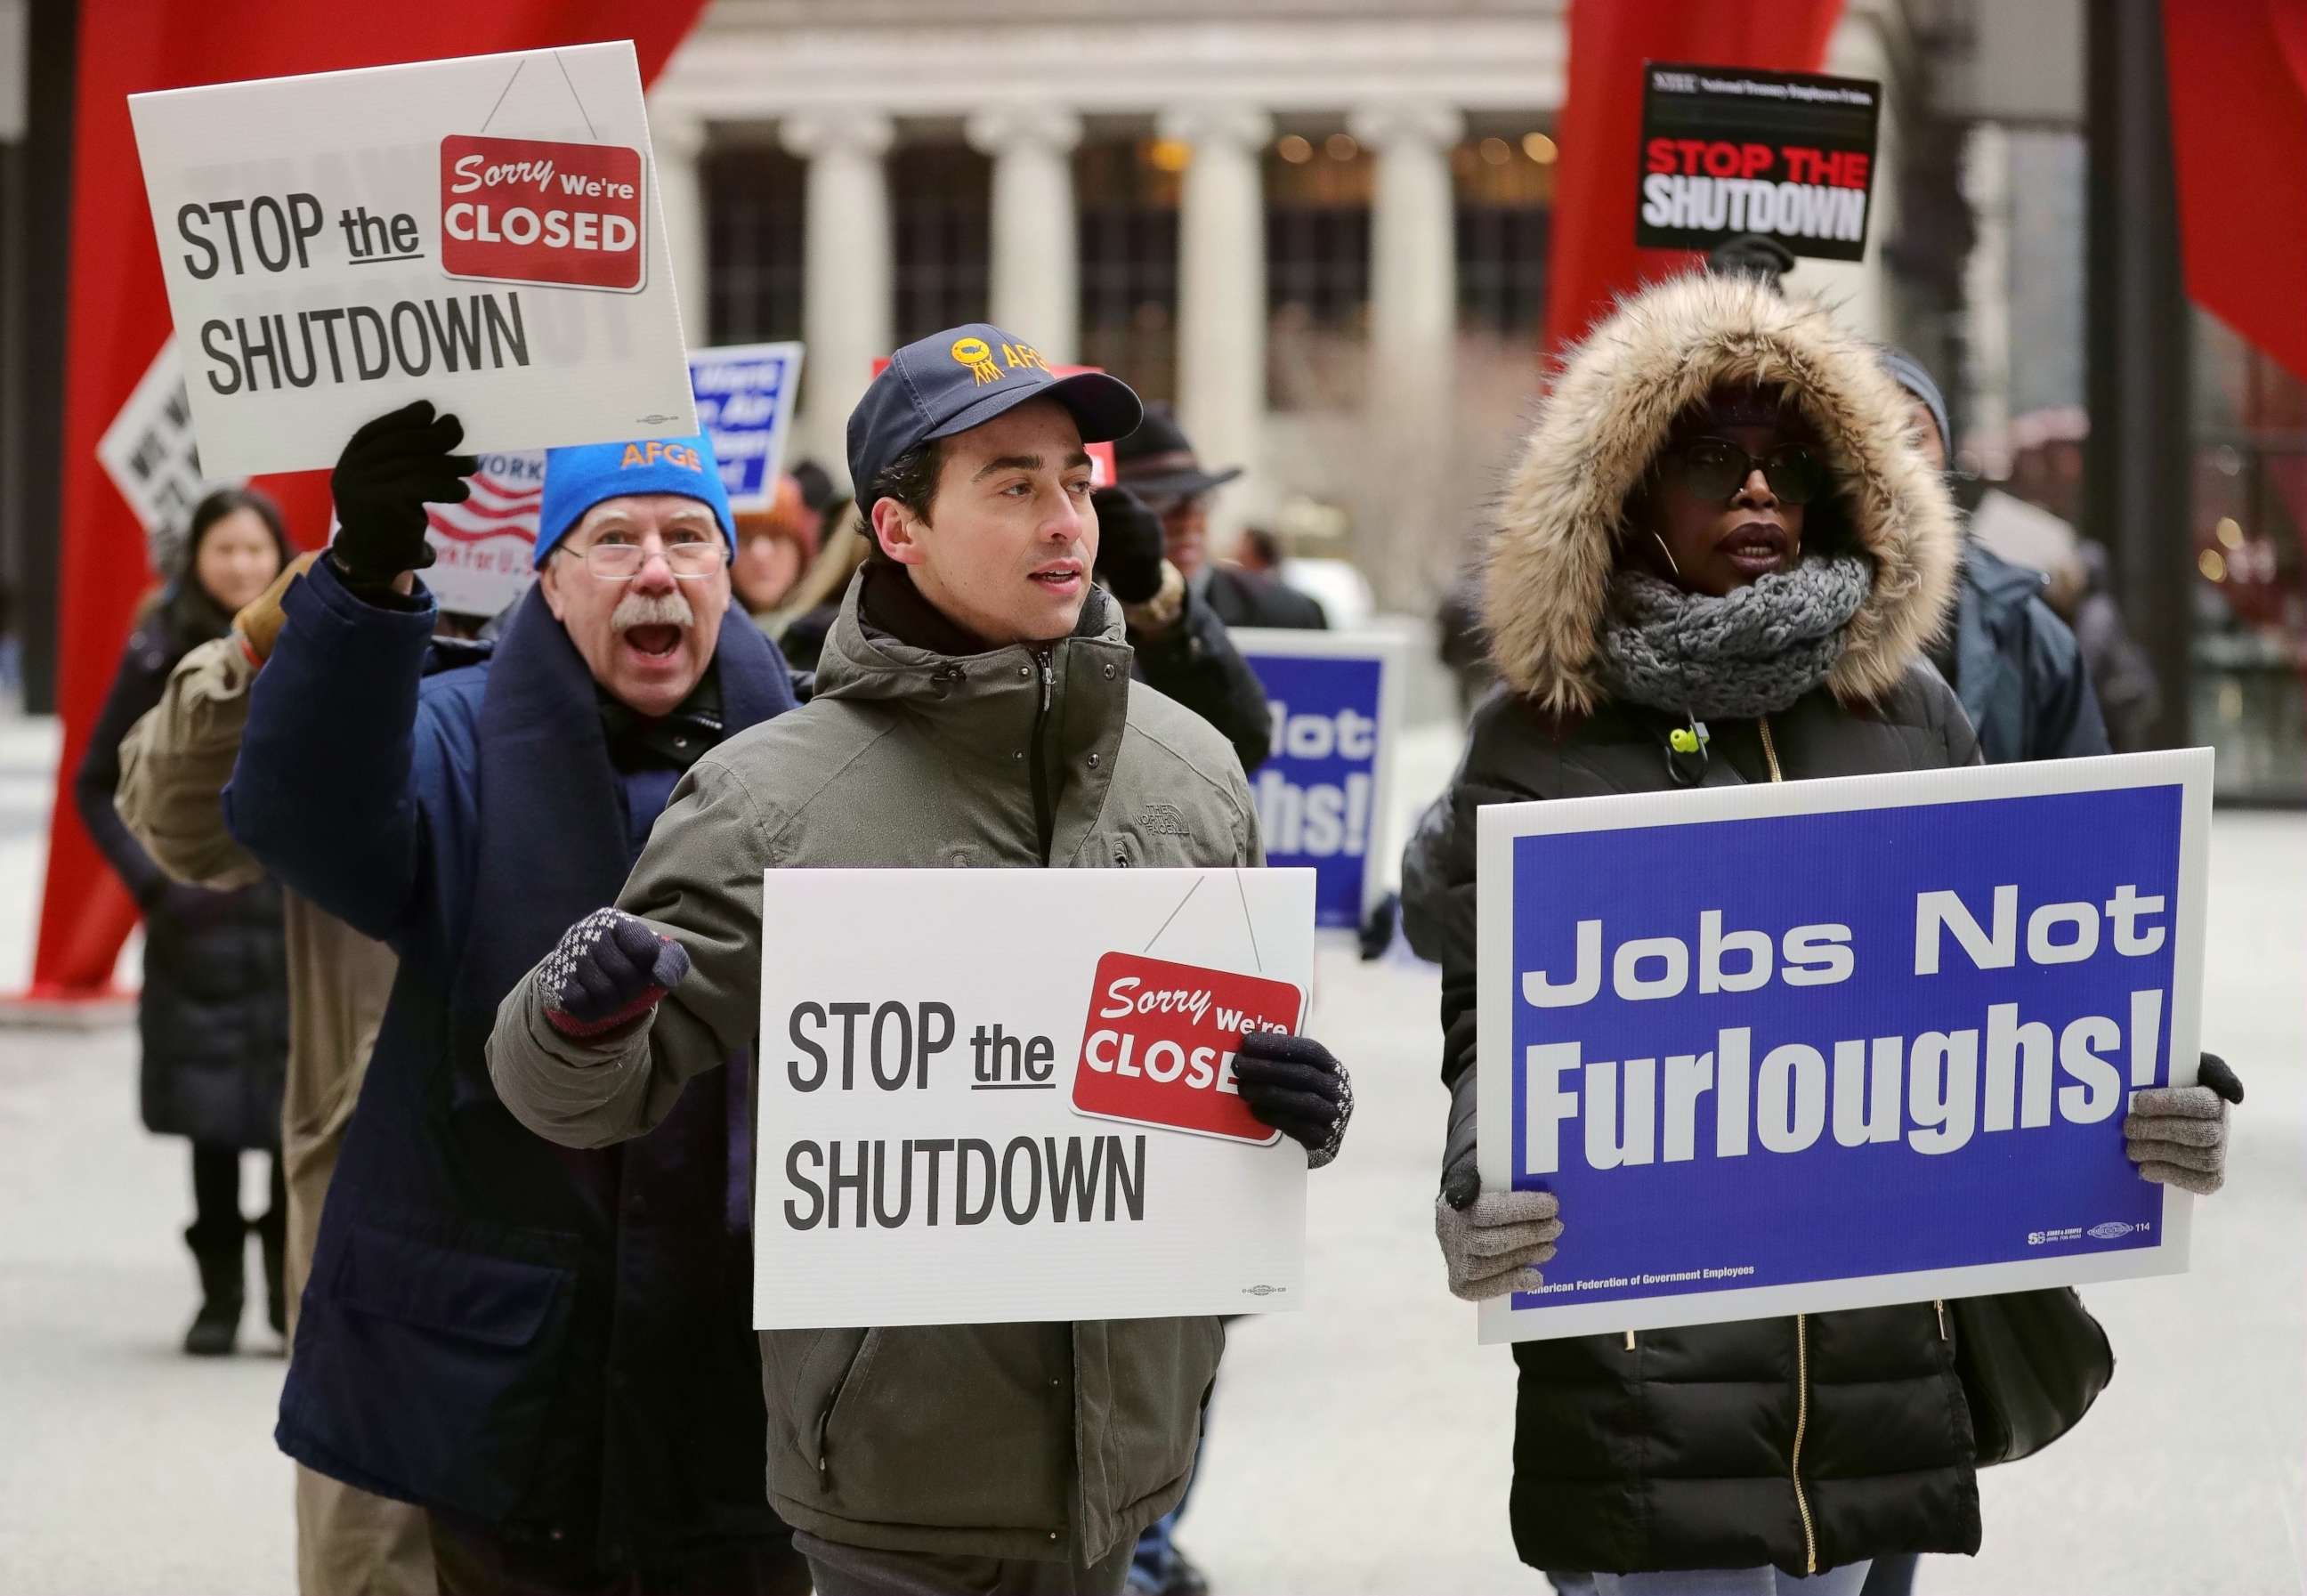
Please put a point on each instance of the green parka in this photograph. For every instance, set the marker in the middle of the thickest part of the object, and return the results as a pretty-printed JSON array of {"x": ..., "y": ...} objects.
[{"x": 1033, "y": 1440}]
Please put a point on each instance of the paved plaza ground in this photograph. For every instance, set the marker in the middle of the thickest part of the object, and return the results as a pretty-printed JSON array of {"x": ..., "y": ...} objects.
[{"x": 1358, "y": 1445}]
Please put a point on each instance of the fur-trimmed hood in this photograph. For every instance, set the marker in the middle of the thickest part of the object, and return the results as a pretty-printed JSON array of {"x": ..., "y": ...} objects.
[{"x": 1547, "y": 575}]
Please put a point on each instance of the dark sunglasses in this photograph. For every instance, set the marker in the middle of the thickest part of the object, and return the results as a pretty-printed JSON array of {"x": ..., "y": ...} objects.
[{"x": 1714, "y": 468}]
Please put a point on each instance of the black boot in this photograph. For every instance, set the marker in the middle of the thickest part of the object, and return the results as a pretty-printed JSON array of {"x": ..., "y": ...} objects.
[
  {"x": 216, "y": 1326},
  {"x": 272, "y": 1231}
]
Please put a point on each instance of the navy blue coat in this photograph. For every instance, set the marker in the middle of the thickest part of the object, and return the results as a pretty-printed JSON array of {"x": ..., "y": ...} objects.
[
  {"x": 2018, "y": 669},
  {"x": 551, "y": 1341}
]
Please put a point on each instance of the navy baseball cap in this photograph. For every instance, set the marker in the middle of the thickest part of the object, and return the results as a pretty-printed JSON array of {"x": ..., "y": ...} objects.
[{"x": 964, "y": 377}]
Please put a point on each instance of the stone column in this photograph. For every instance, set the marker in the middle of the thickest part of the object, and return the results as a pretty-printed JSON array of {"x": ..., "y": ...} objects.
[
  {"x": 1414, "y": 334},
  {"x": 1221, "y": 280},
  {"x": 1036, "y": 235},
  {"x": 845, "y": 266},
  {"x": 677, "y": 142}
]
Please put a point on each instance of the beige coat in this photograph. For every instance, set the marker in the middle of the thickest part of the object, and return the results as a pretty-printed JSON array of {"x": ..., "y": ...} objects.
[{"x": 1013, "y": 1441}]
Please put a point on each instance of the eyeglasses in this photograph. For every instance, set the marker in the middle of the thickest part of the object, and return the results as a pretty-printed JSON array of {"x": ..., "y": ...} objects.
[
  {"x": 616, "y": 557},
  {"x": 1715, "y": 469}
]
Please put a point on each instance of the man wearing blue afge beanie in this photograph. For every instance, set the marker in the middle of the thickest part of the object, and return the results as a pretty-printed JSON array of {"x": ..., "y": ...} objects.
[
  {"x": 578, "y": 479},
  {"x": 504, "y": 1333}
]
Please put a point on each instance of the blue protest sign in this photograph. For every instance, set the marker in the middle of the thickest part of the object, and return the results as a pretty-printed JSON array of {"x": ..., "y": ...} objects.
[
  {"x": 745, "y": 399},
  {"x": 1322, "y": 792},
  {"x": 1836, "y": 1044}
]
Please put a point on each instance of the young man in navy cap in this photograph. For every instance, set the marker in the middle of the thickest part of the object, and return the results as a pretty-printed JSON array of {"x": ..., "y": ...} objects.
[
  {"x": 545, "y": 1350},
  {"x": 973, "y": 707}
]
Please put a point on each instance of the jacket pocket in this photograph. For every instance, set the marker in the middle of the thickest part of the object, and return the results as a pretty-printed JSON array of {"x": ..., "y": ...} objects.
[
  {"x": 1161, "y": 1373},
  {"x": 961, "y": 1427},
  {"x": 804, "y": 1373},
  {"x": 435, "y": 1370}
]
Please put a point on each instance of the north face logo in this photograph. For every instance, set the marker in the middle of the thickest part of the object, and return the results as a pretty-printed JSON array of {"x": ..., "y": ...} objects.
[{"x": 1164, "y": 819}]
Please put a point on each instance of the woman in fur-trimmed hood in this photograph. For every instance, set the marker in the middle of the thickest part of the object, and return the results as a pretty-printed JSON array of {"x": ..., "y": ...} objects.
[{"x": 1721, "y": 560}]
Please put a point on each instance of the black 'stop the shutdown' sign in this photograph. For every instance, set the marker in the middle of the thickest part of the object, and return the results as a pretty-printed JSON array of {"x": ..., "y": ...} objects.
[{"x": 1725, "y": 151}]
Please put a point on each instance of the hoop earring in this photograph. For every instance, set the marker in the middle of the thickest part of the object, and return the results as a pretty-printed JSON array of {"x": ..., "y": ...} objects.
[{"x": 1668, "y": 553}]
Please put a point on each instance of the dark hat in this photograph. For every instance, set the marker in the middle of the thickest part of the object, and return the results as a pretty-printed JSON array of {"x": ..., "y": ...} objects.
[
  {"x": 1157, "y": 462},
  {"x": 817, "y": 489},
  {"x": 964, "y": 377},
  {"x": 1752, "y": 254},
  {"x": 1911, "y": 375}
]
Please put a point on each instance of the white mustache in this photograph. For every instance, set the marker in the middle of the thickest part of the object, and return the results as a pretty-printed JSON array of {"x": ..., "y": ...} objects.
[{"x": 652, "y": 609}]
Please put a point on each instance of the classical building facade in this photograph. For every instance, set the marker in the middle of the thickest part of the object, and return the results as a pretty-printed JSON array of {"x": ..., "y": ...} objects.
[{"x": 1318, "y": 227}]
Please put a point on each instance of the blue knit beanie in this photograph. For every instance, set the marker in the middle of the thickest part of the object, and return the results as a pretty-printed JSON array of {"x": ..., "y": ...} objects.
[{"x": 577, "y": 479}]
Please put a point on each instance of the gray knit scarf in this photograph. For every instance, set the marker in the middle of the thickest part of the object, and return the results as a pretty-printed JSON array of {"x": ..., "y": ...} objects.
[{"x": 1752, "y": 652}]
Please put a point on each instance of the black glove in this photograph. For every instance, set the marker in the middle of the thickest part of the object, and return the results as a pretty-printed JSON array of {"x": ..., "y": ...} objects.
[
  {"x": 1128, "y": 544},
  {"x": 393, "y": 467},
  {"x": 1376, "y": 935},
  {"x": 609, "y": 969},
  {"x": 1293, "y": 1084},
  {"x": 2212, "y": 1071}
]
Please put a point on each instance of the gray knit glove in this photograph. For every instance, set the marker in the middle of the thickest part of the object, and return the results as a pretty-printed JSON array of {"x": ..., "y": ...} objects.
[
  {"x": 1492, "y": 1241},
  {"x": 2177, "y": 1136}
]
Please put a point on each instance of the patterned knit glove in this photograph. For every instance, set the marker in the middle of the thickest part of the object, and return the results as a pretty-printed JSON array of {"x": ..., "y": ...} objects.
[
  {"x": 608, "y": 971},
  {"x": 2177, "y": 1136},
  {"x": 1293, "y": 1084}
]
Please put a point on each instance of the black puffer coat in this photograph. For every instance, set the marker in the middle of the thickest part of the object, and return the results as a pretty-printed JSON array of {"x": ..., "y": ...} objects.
[
  {"x": 214, "y": 1018},
  {"x": 1807, "y": 1441}
]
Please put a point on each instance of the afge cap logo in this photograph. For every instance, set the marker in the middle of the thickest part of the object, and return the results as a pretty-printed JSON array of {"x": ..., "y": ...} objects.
[
  {"x": 655, "y": 452},
  {"x": 963, "y": 378},
  {"x": 975, "y": 354},
  {"x": 979, "y": 356}
]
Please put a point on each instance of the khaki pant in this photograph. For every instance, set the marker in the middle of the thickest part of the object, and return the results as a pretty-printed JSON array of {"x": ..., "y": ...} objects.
[{"x": 348, "y": 1542}]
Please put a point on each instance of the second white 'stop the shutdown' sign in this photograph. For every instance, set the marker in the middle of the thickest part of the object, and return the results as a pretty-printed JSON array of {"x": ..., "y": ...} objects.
[{"x": 482, "y": 232}]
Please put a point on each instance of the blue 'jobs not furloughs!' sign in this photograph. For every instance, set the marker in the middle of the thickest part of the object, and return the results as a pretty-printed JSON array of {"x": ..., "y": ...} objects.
[
  {"x": 1838, "y": 1042},
  {"x": 745, "y": 399},
  {"x": 1322, "y": 790}
]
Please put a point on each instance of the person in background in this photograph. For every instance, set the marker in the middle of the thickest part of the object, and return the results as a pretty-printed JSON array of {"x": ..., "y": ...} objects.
[
  {"x": 1158, "y": 464},
  {"x": 173, "y": 764},
  {"x": 773, "y": 546},
  {"x": 1260, "y": 553},
  {"x": 1461, "y": 643},
  {"x": 1181, "y": 646},
  {"x": 2010, "y": 658},
  {"x": 2121, "y": 675},
  {"x": 822, "y": 504},
  {"x": 213, "y": 1018}
]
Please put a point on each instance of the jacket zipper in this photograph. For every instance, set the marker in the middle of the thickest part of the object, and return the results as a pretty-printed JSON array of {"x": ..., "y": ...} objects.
[
  {"x": 1802, "y": 1423},
  {"x": 1802, "y": 1321},
  {"x": 1939, "y": 1306},
  {"x": 1769, "y": 753},
  {"x": 1044, "y": 821}
]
